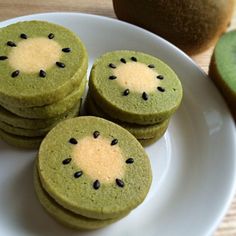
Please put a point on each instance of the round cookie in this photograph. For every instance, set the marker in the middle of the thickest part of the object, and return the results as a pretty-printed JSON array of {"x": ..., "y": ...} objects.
[
  {"x": 20, "y": 141},
  {"x": 222, "y": 68},
  {"x": 40, "y": 63},
  {"x": 139, "y": 131},
  {"x": 51, "y": 110},
  {"x": 23, "y": 132},
  {"x": 135, "y": 87},
  {"x": 64, "y": 216},
  {"x": 96, "y": 168},
  {"x": 24, "y": 123}
]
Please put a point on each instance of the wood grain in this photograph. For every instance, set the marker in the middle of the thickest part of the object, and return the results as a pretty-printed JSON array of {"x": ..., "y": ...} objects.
[{"x": 13, "y": 8}]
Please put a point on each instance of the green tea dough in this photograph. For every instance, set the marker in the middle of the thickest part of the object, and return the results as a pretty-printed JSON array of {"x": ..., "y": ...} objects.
[
  {"x": 20, "y": 141},
  {"x": 135, "y": 87},
  {"x": 40, "y": 63},
  {"x": 94, "y": 168},
  {"x": 34, "y": 124},
  {"x": 64, "y": 216},
  {"x": 139, "y": 131},
  {"x": 52, "y": 110}
]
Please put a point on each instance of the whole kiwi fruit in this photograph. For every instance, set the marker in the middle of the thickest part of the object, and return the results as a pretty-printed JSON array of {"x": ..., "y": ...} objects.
[{"x": 192, "y": 25}]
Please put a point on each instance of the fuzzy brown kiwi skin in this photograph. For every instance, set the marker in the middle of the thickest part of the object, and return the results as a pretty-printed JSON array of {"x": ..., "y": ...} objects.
[
  {"x": 192, "y": 25},
  {"x": 226, "y": 92}
]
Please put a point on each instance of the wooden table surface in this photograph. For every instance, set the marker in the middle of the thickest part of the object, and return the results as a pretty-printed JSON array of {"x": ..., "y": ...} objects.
[{"x": 13, "y": 8}]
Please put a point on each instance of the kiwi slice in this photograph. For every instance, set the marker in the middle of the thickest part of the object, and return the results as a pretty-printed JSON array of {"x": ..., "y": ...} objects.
[
  {"x": 94, "y": 168},
  {"x": 40, "y": 63},
  {"x": 135, "y": 87},
  {"x": 222, "y": 68}
]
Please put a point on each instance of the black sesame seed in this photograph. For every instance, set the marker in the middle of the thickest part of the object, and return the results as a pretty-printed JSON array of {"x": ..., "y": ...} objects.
[
  {"x": 133, "y": 59},
  {"x": 66, "y": 50},
  {"x": 15, "y": 73},
  {"x": 112, "y": 66},
  {"x": 160, "y": 77},
  {"x": 78, "y": 174},
  {"x": 96, "y": 184},
  {"x": 145, "y": 96},
  {"x": 123, "y": 60},
  {"x": 11, "y": 44},
  {"x": 114, "y": 142},
  {"x": 112, "y": 77},
  {"x": 66, "y": 161},
  {"x": 96, "y": 134},
  {"x": 174, "y": 89},
  {"x": 2, "y": 58},
  {"x": 42, "y": 73},
  {"x": 151, "y": 66},
  {"x": 120, "y": 183},
  {"x": 161, "y": 89},
  {"x": 60, "y": 64},
  {"x": 130, "y": 160},
  {"x": 73, "y": 141},
  {"x": 51, "y": 36},
  {"x": 23, "y": 36},
  {"x": 126, "y": 92}
]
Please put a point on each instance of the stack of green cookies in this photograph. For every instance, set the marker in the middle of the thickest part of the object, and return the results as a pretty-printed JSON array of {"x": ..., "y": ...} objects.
[
  {"x": 136, "y": 90},
  {"x": 91, "y": 172},
  {"x": 42, "y": 79}
]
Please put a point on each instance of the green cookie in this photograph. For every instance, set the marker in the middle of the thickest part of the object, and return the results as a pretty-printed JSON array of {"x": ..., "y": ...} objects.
[
  {"x": 20, "y": 141},
  {"x": 135, "y": 87},
  {"x": 64, "y": 216},
  {"x": 20, "y": 122},
  {"x": 150, "y": 141},
  {"x": 139, "y": 131},
  {"x": 52, "y": 110},
  {"x": 222, "y": 68},
  {"x": 40, "y": 63},
  {"x": 94, "y": 168}
]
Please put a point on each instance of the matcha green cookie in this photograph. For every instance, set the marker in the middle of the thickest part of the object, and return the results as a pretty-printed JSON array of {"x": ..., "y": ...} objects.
[
  {"x": 223, "y": 70},
  {"x": 94, "y": 168},
  {"x": 52, "y": 110},
  {"x": 20, "y": 122},
  {"x": 20, "y": 141},
  {"x": 40, "y": 63},
  {"x": 23, "y": 132},
  {"x": 139, "y": 131},
  {"x": 64, "y": 216},
  {"x": 135, "y": 87}
]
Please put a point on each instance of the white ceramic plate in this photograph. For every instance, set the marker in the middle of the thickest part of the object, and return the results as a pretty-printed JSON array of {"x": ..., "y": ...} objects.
[{"x": 193, "y": 164}]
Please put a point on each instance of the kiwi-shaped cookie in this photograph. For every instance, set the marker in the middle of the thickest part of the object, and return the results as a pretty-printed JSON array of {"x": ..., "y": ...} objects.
[
  {"x": 34, "y": 124},
  {"x": 223, "y": 70},
  {"x": 135, "y": 87},
  {"x": 64, "y": 216},
  {"x": 40, "y": 63},
  {"x": 52, "y": 110},
  {"x": 94, "y": 168},
  {"x": 139, "y": 131},
  {"x": 23, "y": 132},
  {"x": 20, "y": 141}
]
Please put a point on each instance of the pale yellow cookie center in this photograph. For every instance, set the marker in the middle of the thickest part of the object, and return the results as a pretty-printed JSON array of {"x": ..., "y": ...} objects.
[
  {"x": 137, "y": 77},
  {"x": 34, "y": 54},
  {"x": 98, "y": 159}
]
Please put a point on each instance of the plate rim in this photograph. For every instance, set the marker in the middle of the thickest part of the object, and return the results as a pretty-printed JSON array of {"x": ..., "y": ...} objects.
[{"x": 231, "y": 194}]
